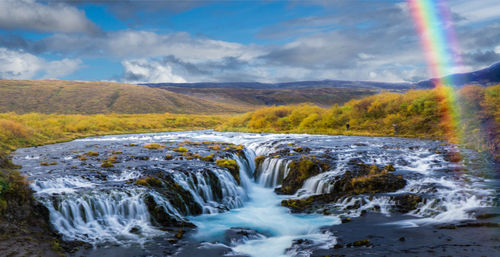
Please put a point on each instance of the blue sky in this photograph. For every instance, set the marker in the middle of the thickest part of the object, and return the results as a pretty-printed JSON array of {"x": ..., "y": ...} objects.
[{"x": 265, "y": 41}]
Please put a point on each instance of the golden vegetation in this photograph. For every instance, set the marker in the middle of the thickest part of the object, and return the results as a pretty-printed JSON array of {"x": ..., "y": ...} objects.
[
  {"x": 416, "y": 113},
  {"x": 37, "y": 129}
]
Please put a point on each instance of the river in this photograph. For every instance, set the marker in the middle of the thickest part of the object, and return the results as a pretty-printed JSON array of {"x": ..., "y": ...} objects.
[{"x": 108, "y": 207}]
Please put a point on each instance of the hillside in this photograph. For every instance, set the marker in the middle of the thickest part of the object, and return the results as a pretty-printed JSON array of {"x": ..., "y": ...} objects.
[
  {"x": 290, "y": 85},
  {"x": 259, "y": 97},
  {"x": 71, "y": 97},
  {"x": 484, "y": 77}
]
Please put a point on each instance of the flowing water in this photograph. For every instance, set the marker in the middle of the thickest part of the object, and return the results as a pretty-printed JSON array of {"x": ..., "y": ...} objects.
[{"x": 103, "y": 206}]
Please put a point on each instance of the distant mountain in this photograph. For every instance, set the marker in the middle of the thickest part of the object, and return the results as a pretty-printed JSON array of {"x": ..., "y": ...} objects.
[
  {"x": 324, "y": 92},
  {"x": 484, "y": 77},
  {"x": 289, "y": 85}
]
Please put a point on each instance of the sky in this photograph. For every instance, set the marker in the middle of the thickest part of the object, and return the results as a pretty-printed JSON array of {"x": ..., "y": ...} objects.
[{"x": 225, "y": 41}]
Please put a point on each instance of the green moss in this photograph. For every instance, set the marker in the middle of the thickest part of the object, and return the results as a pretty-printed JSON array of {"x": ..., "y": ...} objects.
[
  {"x": 153, "y": 146},
  {"x": 179, "y": 233},
  {"x": 107, "y": 164},
  {"x": 168, "y": 157},
  {"x": 113, "y": 159},
  {"x": 232, "y": 166},
  {"x": 149, "y": 182},
  {"x": 181, "y": 149},
  {"x": 214, "y": 147},
  {"x": 47, "y": 163},
  {"x": 297, "y": 204},
  {"x": 299, "y": 171},
  {"x": 90, "y": 153},
  {"x": 259, "y": 159},
  {"x": 359, "y": 243},
  {"x": 208, "y": 158}
]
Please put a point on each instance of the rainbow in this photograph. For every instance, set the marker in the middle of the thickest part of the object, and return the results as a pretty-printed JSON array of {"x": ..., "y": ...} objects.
[{"x": 434, "y": 26}]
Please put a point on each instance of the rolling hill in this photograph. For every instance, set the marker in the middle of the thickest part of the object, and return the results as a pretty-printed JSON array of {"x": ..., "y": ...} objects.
[
  {"x": 72, "y": 97},
  {"x": 324, "y": 97}
]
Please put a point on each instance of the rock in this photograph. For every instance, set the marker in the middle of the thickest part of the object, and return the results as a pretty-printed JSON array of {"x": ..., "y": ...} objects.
[
  {"x": 359, "y": 179},
  {"x": 300, "y": 171},
  {"x": 232, "y": 166},
  {"x": 359, "y": 243},
  {"x": 158, "y": 214},
  {"x": 345, "y": 220},
  {"x": 135, "y": 230},
  {"x": 237, "y": 235},
  {"x": 407, "y": 202},
  {"x": 278, "y": 191},
  {"x": 142, "y": 158},
  {"x": 259, "y": 159}
]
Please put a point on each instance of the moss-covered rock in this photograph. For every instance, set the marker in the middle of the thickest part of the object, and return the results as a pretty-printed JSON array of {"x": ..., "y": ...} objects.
[
  {"x": 93, "y": 154},
  {"x": 375, "y": 182},
  {"x": 259, "y": 160},
  {"x": 149, "y": 182},
  {"x": 180, "y": 149},
  {"x": 208, "y": 158},
  {"x": 407, "y": 202},
  {"x": 179, "y": 197},
  {"x": 232, "y": 166},
  {"x": 299, "y": 171},
  {"x": 160, "y": 217},
  {"x": 153, "y": 146},
  {"x": 359, "y": 179}
]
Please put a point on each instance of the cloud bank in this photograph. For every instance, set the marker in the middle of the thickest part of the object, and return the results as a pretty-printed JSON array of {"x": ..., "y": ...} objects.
[
  {"x": 348, "y": 41},
  {"x": 22, "y": 65}
]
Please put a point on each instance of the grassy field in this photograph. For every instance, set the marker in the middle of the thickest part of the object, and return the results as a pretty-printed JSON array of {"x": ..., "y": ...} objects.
[
  {"x": 72, "y": 97},
  {"x": 38, "y": 129}
]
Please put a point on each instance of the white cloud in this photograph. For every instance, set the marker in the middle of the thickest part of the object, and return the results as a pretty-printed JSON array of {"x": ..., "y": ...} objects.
[
  {"x": 21, "y": 65},
  {"x": 143, "y": 44},
  {"x": 476, "y": 11},
  {"x": 138, "y": 71},
  {"x": 61, "y": 68},
  {"x": 497, "y": 49},
  {"x": 31, "y": 15}
]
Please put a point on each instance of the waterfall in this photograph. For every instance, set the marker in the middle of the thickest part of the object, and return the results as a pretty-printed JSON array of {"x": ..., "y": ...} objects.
[
  {"x": 82, "y": 210},
  {"x": 214, "y": 195},
  {"x": 101, "y": 216},
  {"x": 103, "y": 206},
  {"x": 272, "y": 171}
]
